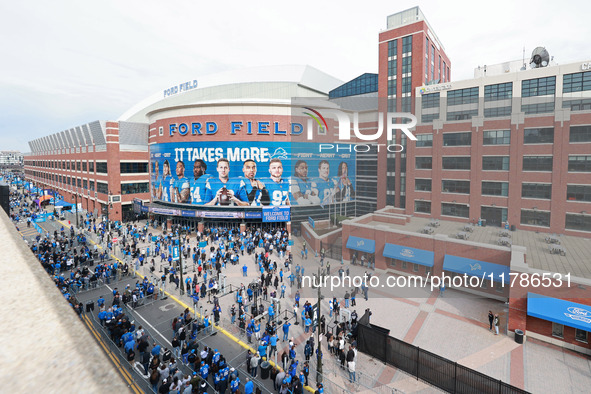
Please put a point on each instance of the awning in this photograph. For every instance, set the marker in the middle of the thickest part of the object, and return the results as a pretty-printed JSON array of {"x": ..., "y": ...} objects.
[
  {"x": 361, "y": 244},
  {"x": 559, "y": 311},
  {"x": 462, "y": 265},
  {"x": 62, "y": 203},
  {"x": 412, "y": 255}
]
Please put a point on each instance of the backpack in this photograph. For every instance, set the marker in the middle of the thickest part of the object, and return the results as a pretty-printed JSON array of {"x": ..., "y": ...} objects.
[{"x": 130, "y": 356}]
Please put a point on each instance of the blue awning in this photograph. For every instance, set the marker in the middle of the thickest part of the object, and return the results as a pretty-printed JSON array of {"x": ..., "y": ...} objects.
[
  {"x": 361, "y": 244},
  {"x": 559, "y": 311},
  {"x": 415, "y": 256},
  {"x": 62, "y": 203},
  {"x": 478, "y": 268}
]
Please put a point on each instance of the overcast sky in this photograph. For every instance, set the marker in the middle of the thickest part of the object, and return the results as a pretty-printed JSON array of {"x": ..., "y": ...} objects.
[{"x": 66, "y": 63}]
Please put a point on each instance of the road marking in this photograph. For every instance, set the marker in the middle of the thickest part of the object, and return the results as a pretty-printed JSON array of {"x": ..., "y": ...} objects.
[{"x": 167, "y": 307}]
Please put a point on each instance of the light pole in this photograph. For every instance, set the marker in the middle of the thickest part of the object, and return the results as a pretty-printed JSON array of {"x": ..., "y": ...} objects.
[
  {"x": 76, "y": 196},
  {"x": 181, "y": 261},
  {"x": 319, "y": 350}
]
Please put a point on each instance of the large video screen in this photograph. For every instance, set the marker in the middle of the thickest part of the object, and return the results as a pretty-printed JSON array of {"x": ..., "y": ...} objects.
[{"x": 255, "y": 174}]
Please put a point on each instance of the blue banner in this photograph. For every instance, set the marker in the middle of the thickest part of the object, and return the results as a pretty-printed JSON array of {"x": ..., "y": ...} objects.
[
  {"x": 253, "y": 215},
  {"x": 276, "y": 214}
]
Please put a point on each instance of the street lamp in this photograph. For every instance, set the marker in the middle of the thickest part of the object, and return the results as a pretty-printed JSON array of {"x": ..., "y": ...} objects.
[
  {"x": 319, "y": 357},
  {"x": 76, "y": 196},
  {"x": 182, "y": 284}
]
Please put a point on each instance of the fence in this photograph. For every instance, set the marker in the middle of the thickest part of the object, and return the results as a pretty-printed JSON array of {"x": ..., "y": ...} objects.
[{"x": 429, "y": 367}]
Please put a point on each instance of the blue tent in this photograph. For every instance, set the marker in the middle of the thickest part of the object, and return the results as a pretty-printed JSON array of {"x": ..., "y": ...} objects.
[{"x": 62, "y": 203}]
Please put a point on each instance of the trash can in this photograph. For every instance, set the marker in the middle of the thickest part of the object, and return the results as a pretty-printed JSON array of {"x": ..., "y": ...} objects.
[
  {"x": 265, "y": 369},
  {"x": 89, "y": 306},
  {"x": 513, "y": 228},
  {"x": 483, "y": 222},
  {"x": 519, "y": 336}
]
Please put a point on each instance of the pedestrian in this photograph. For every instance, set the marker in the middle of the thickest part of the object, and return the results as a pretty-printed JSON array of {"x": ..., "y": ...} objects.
[
  {"x": 496, "y": 324},
  {"x": 442, "y": 289},
  {"x": 491, "y": 318}
]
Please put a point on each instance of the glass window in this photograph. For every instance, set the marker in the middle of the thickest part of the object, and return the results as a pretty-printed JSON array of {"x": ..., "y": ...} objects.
[
  {"x": 423, "y": 163},
  {"x": 538, "y": 136},
  {"x": 457, "y": 139},
  {"x": 538, "y": 108},
  {"x": 406, "y": 85},
  {"x": 576, "y": 82},
  {"x": 580, "y": 134},
  {"x": 407, "y": 64},
  {"x": 134, "y": 188},
  {"x": 85, "y": 184},
  {"x": 537, "y": 163},
  {"x": 557, "y": 330},
  {"x": 415, "y": 267},
  {"x": 581, "y": 335},
  {"x": 536, "y": 190},
  {"x": 423, "y": 185},
  {"x": 68, "y": 165},
  {"x": 535, "y": 218},
  {"x": 406, "y": 44},
  {"x": 579, "y": 163},
  {"x": 456, "y": 162},
  {"x": 392, "y": 85},
  {"x": 538, "y": 87},
  {"x": 495, "y": 188},
  {"x": 578, "y": 193},
  {"x": 501, "y": 91},
  {"x": 462, "y": 96},
  {"x": 497, "y": 137},
  {"x": 404, "y": 264},
  {"x": 430, "y": 100},
  {"x": 91, "y": 184},
  {"x": 577, "y": 105},
  {"x": 101, "y": 167},
  {"x": 458, "y": 210},
  {"x": 497, "y": 112},
  {"x": 578, "y": 222},
  {"x": 392, "y": 48},
  {"x": 455, "y": 186},
  {"x": 79, "y": 182},
  {"x": 428, "y": 118},
  {"x": 91, "y": 166},
  {"x": 133, "y": 168},
  {"x": 102, "y": 187},
  {"x": 77, "y": 166},
  {"x": 424, "y": 140},
  {"x": 423, "y": 206},
  {"x": 495, "y": 163}
]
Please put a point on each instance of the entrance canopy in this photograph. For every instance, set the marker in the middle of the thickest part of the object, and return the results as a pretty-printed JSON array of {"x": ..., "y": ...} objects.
[
  {"x": 361, "y": 244},
  {"x": 559, "y": 311},
  {"x": 412, "y": 255},
  {"x": 482, "y": 269}
]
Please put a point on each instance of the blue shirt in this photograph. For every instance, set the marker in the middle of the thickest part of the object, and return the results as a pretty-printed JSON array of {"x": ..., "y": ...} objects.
[
  {"x": 248, "y": 388},
  {"x": 213, "y": 185},
  {"x": 278, "y": 191},
  {"x": 325, "y": 190},
  {"x": 199, "y": 189}
]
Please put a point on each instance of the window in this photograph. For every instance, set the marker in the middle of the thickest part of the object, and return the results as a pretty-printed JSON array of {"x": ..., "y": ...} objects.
[
  {"x": 576, "y": 82},
  {"x": 68, "y": 165},
  {"x": 102, "y": 188},
  {"x": 134, "y": 188},
  {"x": 457, "y": 139},
  {"x": 91, "y": 166},
  {"x": 423, "y": 206},
  {"x": 580, "y": 134},
  {"x": 538, "y": 87},
  {"x": 495, "y": 189},
  {"x": 537, "y": 163},
  {"x": 581, "y": 335},
  {"x": 430, "y": 100},
  {"x": 454, "y": 186},
  {"x": 578, "y": 222},
  {"x": 535, "y": 218},
  {"x": 406, "y": 44},
  {"x": 84, "y": 166},
  {"x": 462, "y": 96},
  {"x": 407, "y": 65},
  {"x": 579, "y": 163},
  {"x": 429, "y": 118},
  {"x": 501, "y": 91},
  {"x": 390, "y": 183},
  {"x": 406, "y": 84},
  {"x": 458, "y": 210},
  {"x": 496, "y": 112},
  {"x": 578, "y": 193},
  {"x": 423, "y": 185},
  {"x": 415, "y": 267},
  {"x": 101, "y": 167},
  {"x": 495, "y": 163},
  {"x": 538, "y": 108},
  {"x": 538, "y": 136},
  {"x": 79, "y": 182},
  {"x": 91, "y": 184},
  {"x": 404, "y": 264},
  {"x": 536, "y": 190},
  {"x": 497, "y": 137},
  {"x": 133, "y": 168},
  {"x": 84, "y": 184},
  {"x": 392, "y": 85},
  {"x": 456, "y": 162},
  {"x": 577, "y": 105},
  {"x": 77, "y": 166},
  {"x": 392, "y": 48},
  {"x": 423, "y": 163},
  {"x": 557, "y": 330}
]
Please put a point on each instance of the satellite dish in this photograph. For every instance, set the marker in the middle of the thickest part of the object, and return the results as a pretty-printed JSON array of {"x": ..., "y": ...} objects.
[{"x": 539, "y": 58}]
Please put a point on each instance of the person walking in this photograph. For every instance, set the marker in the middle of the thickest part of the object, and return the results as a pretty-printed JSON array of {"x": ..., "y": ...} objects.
[
  {"x": 496, "y": 324},
  {"x": 491, "y": 318}
]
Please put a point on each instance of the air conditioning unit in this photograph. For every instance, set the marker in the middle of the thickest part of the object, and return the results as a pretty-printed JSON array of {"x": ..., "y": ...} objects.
[{"x": 113, "y": 199}]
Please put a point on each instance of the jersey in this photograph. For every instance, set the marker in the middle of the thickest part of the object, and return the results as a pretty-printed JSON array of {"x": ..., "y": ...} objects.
[
  {"x": 179, "y": 185},
  {"x": 198, "y": 189},
  {"x": 234, "y": 184},
  {"x": 326, "y": 190},
  {"x": 278, "y": 191},
  {"x": 254, "y": 195},
  {"x": 166, "y": 183},
  {"x": 156, "y": 182}
]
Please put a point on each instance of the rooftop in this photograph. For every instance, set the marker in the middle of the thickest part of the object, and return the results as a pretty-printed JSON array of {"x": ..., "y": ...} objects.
[{"x": 538, "y": 256}]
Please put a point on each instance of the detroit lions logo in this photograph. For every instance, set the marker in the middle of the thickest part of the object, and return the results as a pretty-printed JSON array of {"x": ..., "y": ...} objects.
[
  {"x": 279, "y": 153},
  {"x": 475, "y": 267}
]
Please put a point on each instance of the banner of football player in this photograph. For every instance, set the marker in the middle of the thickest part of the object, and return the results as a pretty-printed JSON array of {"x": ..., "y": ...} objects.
[{"x": 246, "y": 174}]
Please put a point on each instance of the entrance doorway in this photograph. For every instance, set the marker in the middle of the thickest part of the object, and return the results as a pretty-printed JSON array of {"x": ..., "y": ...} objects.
[{"x": 494, "y": 216}]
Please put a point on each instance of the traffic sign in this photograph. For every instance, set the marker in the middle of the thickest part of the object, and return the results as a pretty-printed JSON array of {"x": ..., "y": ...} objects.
[{"x": 115, "y": 239}]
